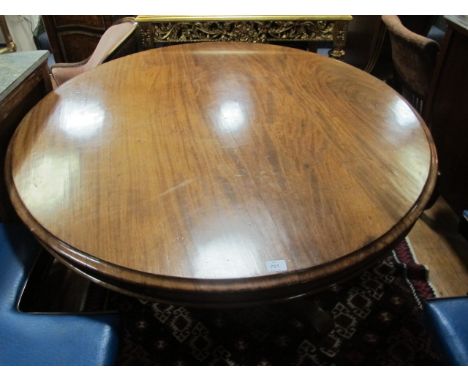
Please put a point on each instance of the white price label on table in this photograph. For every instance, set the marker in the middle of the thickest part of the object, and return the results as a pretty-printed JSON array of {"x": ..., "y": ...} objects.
[{"x": 276, "y": 266}]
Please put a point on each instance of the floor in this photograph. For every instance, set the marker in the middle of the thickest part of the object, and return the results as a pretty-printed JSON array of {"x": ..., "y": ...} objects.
[{"x": 438, "y": 245}]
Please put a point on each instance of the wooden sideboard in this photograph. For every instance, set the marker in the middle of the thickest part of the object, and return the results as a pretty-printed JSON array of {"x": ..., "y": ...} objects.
[
  {"x": 357, "y": 40},
  {"x": 24, "y": 80},
  {"x": 447, "y": 113},
  {"x": 73, "y": 38}
]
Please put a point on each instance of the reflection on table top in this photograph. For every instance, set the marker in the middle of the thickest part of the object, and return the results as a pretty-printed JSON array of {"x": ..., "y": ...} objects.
[{"x": 221, "y": 167}]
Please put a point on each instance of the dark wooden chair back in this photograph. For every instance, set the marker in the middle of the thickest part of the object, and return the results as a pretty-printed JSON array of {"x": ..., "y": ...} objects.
[{"x": 414, "y": 58}]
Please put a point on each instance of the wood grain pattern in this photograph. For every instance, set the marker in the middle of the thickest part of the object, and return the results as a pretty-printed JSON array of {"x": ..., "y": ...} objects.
[{"x": 183, "y": 171}]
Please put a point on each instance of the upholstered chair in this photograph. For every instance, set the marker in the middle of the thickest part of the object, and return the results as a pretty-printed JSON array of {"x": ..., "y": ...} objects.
[
  {"x": 115, "y": 42},
  {"x": 41, "y": 339},
  {"x": 447, "y": 320},
  {"x": 414, "y": 58}
]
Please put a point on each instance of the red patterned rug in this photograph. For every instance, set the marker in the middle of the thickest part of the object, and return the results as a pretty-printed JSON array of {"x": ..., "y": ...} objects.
[{"x": 377, "y": 321}]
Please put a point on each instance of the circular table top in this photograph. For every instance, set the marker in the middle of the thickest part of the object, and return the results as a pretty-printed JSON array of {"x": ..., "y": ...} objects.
[{"x": 221, "y": 168}]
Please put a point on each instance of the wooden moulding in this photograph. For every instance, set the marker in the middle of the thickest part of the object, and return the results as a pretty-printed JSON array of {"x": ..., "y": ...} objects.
[{"x": 275, "y": 154}]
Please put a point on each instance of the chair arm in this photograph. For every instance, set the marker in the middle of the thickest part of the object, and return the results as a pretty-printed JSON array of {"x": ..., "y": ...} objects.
[{"x": 60, "y": 73}]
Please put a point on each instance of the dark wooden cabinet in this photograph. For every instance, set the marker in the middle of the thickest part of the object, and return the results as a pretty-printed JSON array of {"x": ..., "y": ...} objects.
[
  {"x": 447, "y": 113},
  {"x": 73, "y": 38}
]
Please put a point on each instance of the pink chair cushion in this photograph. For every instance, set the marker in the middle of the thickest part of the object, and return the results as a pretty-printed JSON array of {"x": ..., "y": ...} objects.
[
  {"x": 61, "y": 74},
  {"x": 110, "y": 40}
]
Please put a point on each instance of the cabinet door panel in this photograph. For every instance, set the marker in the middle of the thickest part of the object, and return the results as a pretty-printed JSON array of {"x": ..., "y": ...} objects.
[{"x": 74, "y": 38}]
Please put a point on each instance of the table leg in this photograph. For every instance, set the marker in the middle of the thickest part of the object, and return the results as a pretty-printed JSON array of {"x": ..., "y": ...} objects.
[
  {"x": 339, "y": 39},
  {"x": 311, "y": 310}
]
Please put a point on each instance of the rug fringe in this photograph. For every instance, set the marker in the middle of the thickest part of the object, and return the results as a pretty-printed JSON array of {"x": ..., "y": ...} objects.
[{"x": 405, "y": 249}]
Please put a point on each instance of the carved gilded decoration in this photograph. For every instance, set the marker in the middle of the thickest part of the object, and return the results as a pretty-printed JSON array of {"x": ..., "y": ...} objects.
[
  {"x": 10, "y": 46},
  {"x": 155, "y": 31}
]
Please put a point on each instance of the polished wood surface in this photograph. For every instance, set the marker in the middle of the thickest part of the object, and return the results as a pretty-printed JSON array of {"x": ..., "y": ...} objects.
[{"x": 194, "y": 171}]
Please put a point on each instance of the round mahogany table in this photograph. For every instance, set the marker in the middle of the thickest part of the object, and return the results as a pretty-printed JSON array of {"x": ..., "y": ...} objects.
[{"x": 221, "y": 173}]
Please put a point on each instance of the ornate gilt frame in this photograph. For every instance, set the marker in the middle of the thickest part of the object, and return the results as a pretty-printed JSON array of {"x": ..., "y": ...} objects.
[
  {"x": 10, "y": 45},
  {"x": 307, "y": 28}
]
